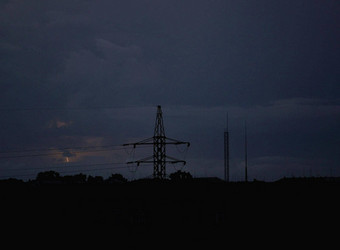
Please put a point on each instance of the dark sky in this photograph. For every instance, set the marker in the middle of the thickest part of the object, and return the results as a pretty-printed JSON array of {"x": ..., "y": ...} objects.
[{"x": 91, "y": 73}]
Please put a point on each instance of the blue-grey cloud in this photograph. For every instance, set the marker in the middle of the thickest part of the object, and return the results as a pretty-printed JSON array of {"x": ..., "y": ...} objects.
[{"x": 273, "y": 64}]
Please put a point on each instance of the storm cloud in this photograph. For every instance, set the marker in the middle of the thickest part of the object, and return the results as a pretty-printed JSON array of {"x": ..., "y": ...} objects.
[{"x": 90, "y": 73}]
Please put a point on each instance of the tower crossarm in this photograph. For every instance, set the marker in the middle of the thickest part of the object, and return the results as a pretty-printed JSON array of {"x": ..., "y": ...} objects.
[
  {"x": 148, "y": 141},
  {"x": 144, "y": 160},
  {"x": 174, "y": 160},
  {"x": 149, "y": 159},
  {"x": 176, "y": 142}
]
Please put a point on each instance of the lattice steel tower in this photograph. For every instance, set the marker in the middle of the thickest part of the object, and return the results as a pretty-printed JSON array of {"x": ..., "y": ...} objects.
[{"x": 159, "y": 142}]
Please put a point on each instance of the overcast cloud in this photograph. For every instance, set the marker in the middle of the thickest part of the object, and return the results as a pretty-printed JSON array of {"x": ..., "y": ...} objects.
[{"x": 91, "y": 73}]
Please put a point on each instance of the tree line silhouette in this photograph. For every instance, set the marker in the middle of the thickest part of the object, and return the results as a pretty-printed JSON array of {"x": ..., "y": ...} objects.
[
  {"x": 204, "y": 210},
  {"x": 53, "y": 177}
]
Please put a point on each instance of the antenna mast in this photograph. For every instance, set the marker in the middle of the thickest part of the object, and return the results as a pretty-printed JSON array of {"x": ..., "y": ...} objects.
[
  {"x": 246, "y": 152},
  {"x": 159, "y": 142},
  {"x": 226, "y": 152}
]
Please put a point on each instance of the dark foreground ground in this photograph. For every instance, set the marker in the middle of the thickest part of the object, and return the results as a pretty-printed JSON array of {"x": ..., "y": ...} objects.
[{"x": 198, "y": 213}]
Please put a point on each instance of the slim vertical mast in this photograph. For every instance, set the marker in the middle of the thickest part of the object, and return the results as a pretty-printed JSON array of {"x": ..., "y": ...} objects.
[
  {"x": 246, "y": 152},
  {"x": 226, "y": 152}
]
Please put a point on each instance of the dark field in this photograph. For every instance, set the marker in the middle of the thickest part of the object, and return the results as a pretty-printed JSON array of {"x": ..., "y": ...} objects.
[{"x": 199, "y": 212}]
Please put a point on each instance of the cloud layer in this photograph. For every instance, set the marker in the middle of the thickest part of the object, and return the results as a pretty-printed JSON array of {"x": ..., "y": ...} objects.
[{"x": 71, "y": 71}]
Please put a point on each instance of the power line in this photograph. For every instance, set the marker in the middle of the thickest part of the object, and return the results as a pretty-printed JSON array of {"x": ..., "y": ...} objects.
[
  {"x": 69, "y": 171},
  {"x": 54, "y": 149},
  {"x": 57, "y": 153},
  {"x": 50, "y": 154},
  {"x": 65, "y": 166},
  {"x": 55, "y": 108},
  {"x": 67, "y": 108}
]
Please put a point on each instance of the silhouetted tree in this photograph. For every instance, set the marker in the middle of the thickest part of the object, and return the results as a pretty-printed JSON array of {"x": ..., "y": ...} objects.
[
  {"x": 12, "y": 181},
  {"x": 48, "y": 176},
  {"x": 180, "y": 175},
  {"x": 95, "y": 179},
  {"x": 114, "y": 178},
  {"x": 80, "y": 178},
  {"x": 72, "y": 179}
]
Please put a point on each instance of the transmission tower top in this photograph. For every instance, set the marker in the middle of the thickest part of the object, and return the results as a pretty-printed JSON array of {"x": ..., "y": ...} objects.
[
  {"x": 159, "y": 125},
  {"x": 159, "y": 142}
]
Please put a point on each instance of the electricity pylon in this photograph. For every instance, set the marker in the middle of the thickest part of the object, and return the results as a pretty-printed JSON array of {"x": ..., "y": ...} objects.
[{"x": 159, "y": 142}]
